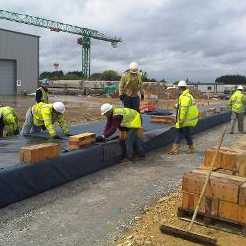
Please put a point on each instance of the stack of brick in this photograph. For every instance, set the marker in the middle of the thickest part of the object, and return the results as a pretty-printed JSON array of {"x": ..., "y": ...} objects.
[
  {"x": 225, "y": 196},
  {"x": 81, "y": 140}
]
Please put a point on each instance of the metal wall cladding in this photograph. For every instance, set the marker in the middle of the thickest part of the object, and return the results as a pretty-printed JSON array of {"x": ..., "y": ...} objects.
[{"x": 23, "y": 50}]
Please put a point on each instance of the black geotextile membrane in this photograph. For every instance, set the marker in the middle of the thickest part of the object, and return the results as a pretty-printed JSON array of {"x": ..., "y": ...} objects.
[{"x": 18, "y": 182}]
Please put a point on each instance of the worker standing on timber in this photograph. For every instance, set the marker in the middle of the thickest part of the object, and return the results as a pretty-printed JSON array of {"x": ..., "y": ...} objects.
[
  {"x": 131, "y": 85},
  {"x": 124, "y": 119},
  {"x": 43, "y": 117},
  {"x": 42, "y": 92},
  {"x": 186, "y": 118},
  {"x": 8, "y": 121},
  {"x": 237, "y": 104}
]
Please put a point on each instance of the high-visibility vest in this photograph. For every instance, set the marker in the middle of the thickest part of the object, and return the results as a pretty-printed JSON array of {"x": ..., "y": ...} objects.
[
  {"x": 187, "y": 113},
  {"x": 10, "y": 119},
  {"x": 43, "y": 114},
  {"x": 45, "y": 95},
  {"x": 237, "y": 102},
  {"x": 131, "y": 118}
]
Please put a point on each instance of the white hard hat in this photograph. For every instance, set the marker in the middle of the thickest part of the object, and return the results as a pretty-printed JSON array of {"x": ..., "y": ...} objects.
[
  {"x": 133, "y": 67},
  {"x": 105, "y": 108},
  {"x": 240, "y": 87},
  {"x": 182, "y": 83},
  {"x": 59, "y": 107}
]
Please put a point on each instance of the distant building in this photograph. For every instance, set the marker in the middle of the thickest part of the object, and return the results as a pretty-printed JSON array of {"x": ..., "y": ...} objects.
[
  {"x": 212, "y": 87},
  {"x": 19, "y": 62}
]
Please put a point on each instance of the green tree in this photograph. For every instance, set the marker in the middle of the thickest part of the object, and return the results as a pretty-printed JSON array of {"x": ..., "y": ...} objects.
[
  {"x": 110, "y": 75},
  {"x": 231, "y": 79}
]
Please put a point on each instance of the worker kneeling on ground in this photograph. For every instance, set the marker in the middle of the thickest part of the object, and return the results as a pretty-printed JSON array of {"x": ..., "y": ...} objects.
[
  {"x": 186, "y": 118},
  {"x": 237, "y": 104},
  {"x": 8, "y": 121},
  {"x": 43, "y": 117},
  {"x": 124, "y": 119}
]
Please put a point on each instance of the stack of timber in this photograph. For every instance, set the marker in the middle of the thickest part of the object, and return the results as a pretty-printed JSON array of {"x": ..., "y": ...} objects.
[
  {"x": 35, "y": 153},
  {"x": 225, "y": 196},
  {"x": 167, "y": 119},
  {"x": 81, "y": 140}
]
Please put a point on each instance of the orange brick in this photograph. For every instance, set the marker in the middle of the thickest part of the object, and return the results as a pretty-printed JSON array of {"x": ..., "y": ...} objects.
[
  {"x": 228, "y": 159},
  {"x": 233, "y": 212},
  {"x": 208, "y": 206},
  {"x": 221, "y": 186},
  {"x": 34, "y": 153},
  {"x": 163, "y": 119},
  {"x": 81, "y": 140},
  {"x": 242, "y": 195}
]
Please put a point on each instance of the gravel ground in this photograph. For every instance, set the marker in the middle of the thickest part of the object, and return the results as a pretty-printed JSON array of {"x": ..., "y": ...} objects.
[{"x": 99, "y": 208}]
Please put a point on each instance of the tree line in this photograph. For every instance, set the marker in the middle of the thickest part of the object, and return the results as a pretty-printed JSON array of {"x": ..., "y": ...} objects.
[{"x": 108, "y": 75}]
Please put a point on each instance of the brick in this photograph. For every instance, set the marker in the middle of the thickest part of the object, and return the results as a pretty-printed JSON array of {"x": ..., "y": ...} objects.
[
  {"x": 81, "y": 140},
  {"x": 233, "y": 212},
  {"x": 242, "y": 195},
  {"x": 163, "y": 119},
  {"x": 221, "y": 186},
  {"x": 208, "y": 206},
  {"x": 34, "y": 153},
  {"x": 228, "y": 159}
]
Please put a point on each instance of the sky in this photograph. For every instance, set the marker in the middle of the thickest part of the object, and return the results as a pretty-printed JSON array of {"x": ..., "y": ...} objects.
[{"x": 169, "y": 39}]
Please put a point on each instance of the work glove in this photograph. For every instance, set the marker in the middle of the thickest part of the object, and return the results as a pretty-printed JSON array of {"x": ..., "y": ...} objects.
[
  {"x": 122, "y": 97},
  {"x": 142, "y": 97},
  {"x": 57, "y": 137},
  {"x": 100, "y": 139}
]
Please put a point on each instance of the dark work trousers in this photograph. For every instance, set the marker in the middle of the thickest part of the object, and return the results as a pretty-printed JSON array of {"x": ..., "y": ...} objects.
[
  {"x": 133, "y": 142},
  {"x": 239, "y": 118},
  {"x": 183, "y": 132},
  {"x": 132, "y": 102}
]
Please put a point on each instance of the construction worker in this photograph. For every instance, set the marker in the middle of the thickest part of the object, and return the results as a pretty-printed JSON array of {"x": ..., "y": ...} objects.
[
  {"x": 43, "y": 116},
  {"x": 8, "y": 121},
  {"x": 42, "y": 92},
  {"x": 124, "y": 119},
  {"x": 130, "y": 86},
  {"x": 186, "y": 118},
  {"x": 237, "y": 104}
]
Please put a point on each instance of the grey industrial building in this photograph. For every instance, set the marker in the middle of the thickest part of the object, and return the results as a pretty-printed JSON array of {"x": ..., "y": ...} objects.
[{"x": 19, "y": 62}]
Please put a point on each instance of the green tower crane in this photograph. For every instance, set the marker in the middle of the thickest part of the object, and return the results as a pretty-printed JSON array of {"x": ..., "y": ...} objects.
[{"x": 86, "y": 34}]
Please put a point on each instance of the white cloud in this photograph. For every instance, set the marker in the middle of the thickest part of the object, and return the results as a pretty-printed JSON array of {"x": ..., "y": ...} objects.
[{"x": 169, "y": 38}]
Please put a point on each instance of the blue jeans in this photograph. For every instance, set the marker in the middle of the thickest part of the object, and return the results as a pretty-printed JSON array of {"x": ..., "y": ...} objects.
[
  {"x": 133, "y": 141},
  {"x": 132, "y": 102},
  {"x": 184, "y": 132}
]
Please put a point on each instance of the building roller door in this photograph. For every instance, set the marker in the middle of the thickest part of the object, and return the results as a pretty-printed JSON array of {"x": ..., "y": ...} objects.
[{"x": 7, "y": 78}]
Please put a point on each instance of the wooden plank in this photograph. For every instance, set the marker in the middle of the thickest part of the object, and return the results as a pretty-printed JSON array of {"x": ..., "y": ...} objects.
[
  {"x": 188, "y": 235},
  {"x": 82, "y": 136},
  {"x": 34, "y": 153}
]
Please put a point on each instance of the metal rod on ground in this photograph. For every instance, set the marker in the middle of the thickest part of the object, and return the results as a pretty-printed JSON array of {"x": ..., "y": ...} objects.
[{"x": 187, "y": 234}]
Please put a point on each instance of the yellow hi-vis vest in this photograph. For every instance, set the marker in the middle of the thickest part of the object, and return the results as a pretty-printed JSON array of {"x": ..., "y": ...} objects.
[
  {"x": 43, "y": 115},
  {"x": 10, "y": 119},
  {"x": 237, "y": 102},
  {"x": 45, "y": 96},
  {"x": 131, "y": 118},
  {"x": 187, "y": 113}
]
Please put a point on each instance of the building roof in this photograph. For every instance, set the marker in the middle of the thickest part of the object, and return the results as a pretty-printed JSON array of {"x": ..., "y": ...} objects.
[{"x": 21, "y": 33}]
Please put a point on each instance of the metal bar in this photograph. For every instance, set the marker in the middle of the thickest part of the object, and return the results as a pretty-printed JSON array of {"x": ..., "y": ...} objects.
[{"x": 56, "y": 26}]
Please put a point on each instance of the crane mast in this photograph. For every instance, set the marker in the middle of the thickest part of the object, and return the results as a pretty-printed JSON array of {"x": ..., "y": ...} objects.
[{"x": 86, "y": 34}]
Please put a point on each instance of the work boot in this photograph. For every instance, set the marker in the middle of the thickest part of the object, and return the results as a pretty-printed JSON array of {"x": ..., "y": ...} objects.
[
  {"x": 174, "y": 149},
  {"x": 191, "y": 149}
]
